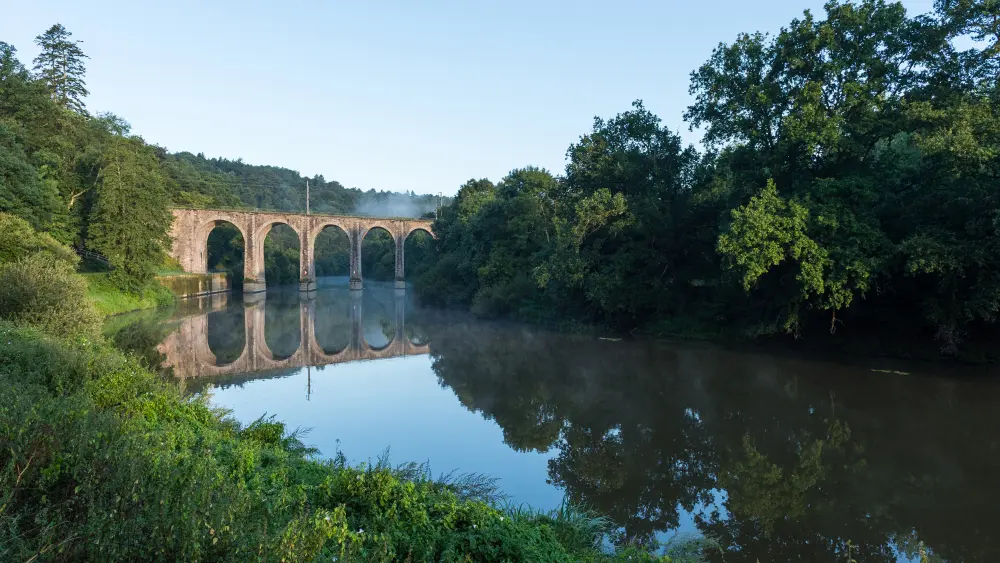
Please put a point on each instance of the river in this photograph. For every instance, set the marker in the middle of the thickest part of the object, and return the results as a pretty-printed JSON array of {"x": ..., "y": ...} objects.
[{"x": 775, "y": 457}]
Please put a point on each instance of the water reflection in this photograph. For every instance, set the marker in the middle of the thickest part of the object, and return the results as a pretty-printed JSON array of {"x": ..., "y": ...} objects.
[
  {"x": 777, "y": 458},
  {"x": 222, "y": 335}
]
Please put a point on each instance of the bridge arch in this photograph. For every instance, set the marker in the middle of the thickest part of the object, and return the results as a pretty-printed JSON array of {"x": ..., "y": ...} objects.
[
  {"x": 322, "y": 263},
  {"x": 265, "y": 228},
  {"x": 204, "y": 229},
  {"x": 378, "y": 252},
  {"x": 417, "y": 246},
  {"x": 422, "y": 228}
]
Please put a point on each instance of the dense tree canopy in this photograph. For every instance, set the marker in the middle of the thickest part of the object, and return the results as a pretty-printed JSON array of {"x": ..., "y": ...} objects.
[
  {"x": 850, "y": 181},
  {"x": 130, "y": 217}
]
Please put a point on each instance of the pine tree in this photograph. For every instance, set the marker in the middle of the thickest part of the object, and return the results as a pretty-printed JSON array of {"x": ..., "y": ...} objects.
[{"x": 60, "y": 66}]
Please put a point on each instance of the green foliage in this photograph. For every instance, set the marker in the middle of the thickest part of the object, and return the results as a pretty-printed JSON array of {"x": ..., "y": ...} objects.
[
  {"x": 21, "y": 190},
  {"x": 110, "y": 300},
  {"x": 882, "y": 137},
  {"x": 38, "y": 282},
  {"x": 378, "y": 256},
  {"x": 130, "y": 220},
  {"x": 100, "y": 459},
  {"x": 226, "y": 251},
  {"x": 44, "y": 292},
  {"x": 281, "y": 256},
  {"x": 332, "y": 253},
  {"x": 19, "y": 240},
  {"x": 197, "y": 181},
  {"x": 60, "y": 66},
  {"x": 88, "y": 183}
]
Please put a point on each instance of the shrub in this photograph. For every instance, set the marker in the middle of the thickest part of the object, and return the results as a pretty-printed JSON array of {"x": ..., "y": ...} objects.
[
  {"x": 19, "y": 240},
  {"x": 43, "y": 291}
]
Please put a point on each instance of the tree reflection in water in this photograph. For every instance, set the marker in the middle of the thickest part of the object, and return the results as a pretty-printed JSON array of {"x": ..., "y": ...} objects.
[{"x": 779, "y": 459}]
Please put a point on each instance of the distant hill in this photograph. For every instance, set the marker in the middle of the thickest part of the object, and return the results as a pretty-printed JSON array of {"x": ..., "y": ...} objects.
[{"x": 197, "y": 181}]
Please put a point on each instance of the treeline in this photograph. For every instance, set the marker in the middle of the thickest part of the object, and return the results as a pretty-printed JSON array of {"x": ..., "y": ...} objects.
[
  {"x": 82, "y": 178},
  {"x": 196, "y": 181},
  {"x": 92, "y": 184},
  {"x": 849, "y": 184}
]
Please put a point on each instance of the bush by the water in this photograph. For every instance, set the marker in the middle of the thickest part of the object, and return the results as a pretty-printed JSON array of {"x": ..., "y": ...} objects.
[
  {"x": 102, "y": 460},
  {"x": 42, "y": 291},
  {"x": 18, "y": 239}
]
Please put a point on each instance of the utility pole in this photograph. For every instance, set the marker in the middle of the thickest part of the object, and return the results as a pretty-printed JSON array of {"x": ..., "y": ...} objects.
[
  {"x": 308, "y": 382},
  {"x": 307, "y": 197}
]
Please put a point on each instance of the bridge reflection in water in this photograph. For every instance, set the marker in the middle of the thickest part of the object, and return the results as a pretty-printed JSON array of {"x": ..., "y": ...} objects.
[{"x": 187, "y": 349}]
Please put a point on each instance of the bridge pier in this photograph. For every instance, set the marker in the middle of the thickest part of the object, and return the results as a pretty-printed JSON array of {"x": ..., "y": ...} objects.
[
  {"x": 356, "y": 236},
  {"x": 400, "y": 281}
]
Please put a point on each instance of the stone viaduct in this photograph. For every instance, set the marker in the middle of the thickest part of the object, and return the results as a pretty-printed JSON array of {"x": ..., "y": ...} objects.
[
  {"x": 187, "y": 351},
  {"x": 191, "y": 228}
]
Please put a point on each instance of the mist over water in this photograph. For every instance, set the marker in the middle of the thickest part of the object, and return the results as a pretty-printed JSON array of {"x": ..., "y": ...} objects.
[
  {"x": 385, "y": 204},
  {"x": 778, "y": 457}
]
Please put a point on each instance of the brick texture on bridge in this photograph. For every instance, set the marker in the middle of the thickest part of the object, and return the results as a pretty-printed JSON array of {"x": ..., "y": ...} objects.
[{"x": 191, "y": 227}]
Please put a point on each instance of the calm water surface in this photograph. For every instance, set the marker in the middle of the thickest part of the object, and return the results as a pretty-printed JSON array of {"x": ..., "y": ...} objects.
[{"x": 777, "y": 458}]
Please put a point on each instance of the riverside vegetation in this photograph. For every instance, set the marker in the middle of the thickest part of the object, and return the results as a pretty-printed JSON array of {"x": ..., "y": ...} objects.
[
  {"x": 846, "y": 195},
  {"x": 102, "y": 459},
  {"x": 849, "y": 191},
  {"x": 849, "y": 186}
]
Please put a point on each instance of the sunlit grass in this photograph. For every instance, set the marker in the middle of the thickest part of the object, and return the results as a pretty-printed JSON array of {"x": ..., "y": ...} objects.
[{"x": 110, "y": 300}]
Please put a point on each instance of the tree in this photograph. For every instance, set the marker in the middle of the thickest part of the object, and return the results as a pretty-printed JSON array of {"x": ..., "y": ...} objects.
[
  {"x": 60, "y": 66},
  {"x": 131, "y": 219},
  {"x": 21, "y": 190},
  {"x": 978, "y": 18}
]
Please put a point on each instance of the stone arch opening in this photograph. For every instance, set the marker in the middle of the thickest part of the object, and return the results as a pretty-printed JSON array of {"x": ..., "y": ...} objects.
[
  {"x": 378, "y": 255},
  {"x": 332, "y": 254},
  {"x": 280, "y": 253},
  {"x": 420, "y": 251},
  {"x": 225, "y": 250}
]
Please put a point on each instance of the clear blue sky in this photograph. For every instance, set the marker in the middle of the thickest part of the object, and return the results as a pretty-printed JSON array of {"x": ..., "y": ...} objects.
[{"x": 391, "y": 95}]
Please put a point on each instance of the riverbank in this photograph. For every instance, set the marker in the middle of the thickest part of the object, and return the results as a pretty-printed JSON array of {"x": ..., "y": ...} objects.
[
  {"x": 858, "y": 341},
  {"x": 106, "y": 460},
  {"x": 110, "y": 300}
]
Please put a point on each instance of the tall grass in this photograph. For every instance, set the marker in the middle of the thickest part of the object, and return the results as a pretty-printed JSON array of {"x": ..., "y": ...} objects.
[{"x": 110, "y": 300}]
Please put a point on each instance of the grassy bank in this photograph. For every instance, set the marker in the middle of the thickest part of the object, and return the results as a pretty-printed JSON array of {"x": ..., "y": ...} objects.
[
  {"x": 110, "y": 300},
  {"x": 100, "y": 459}
]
